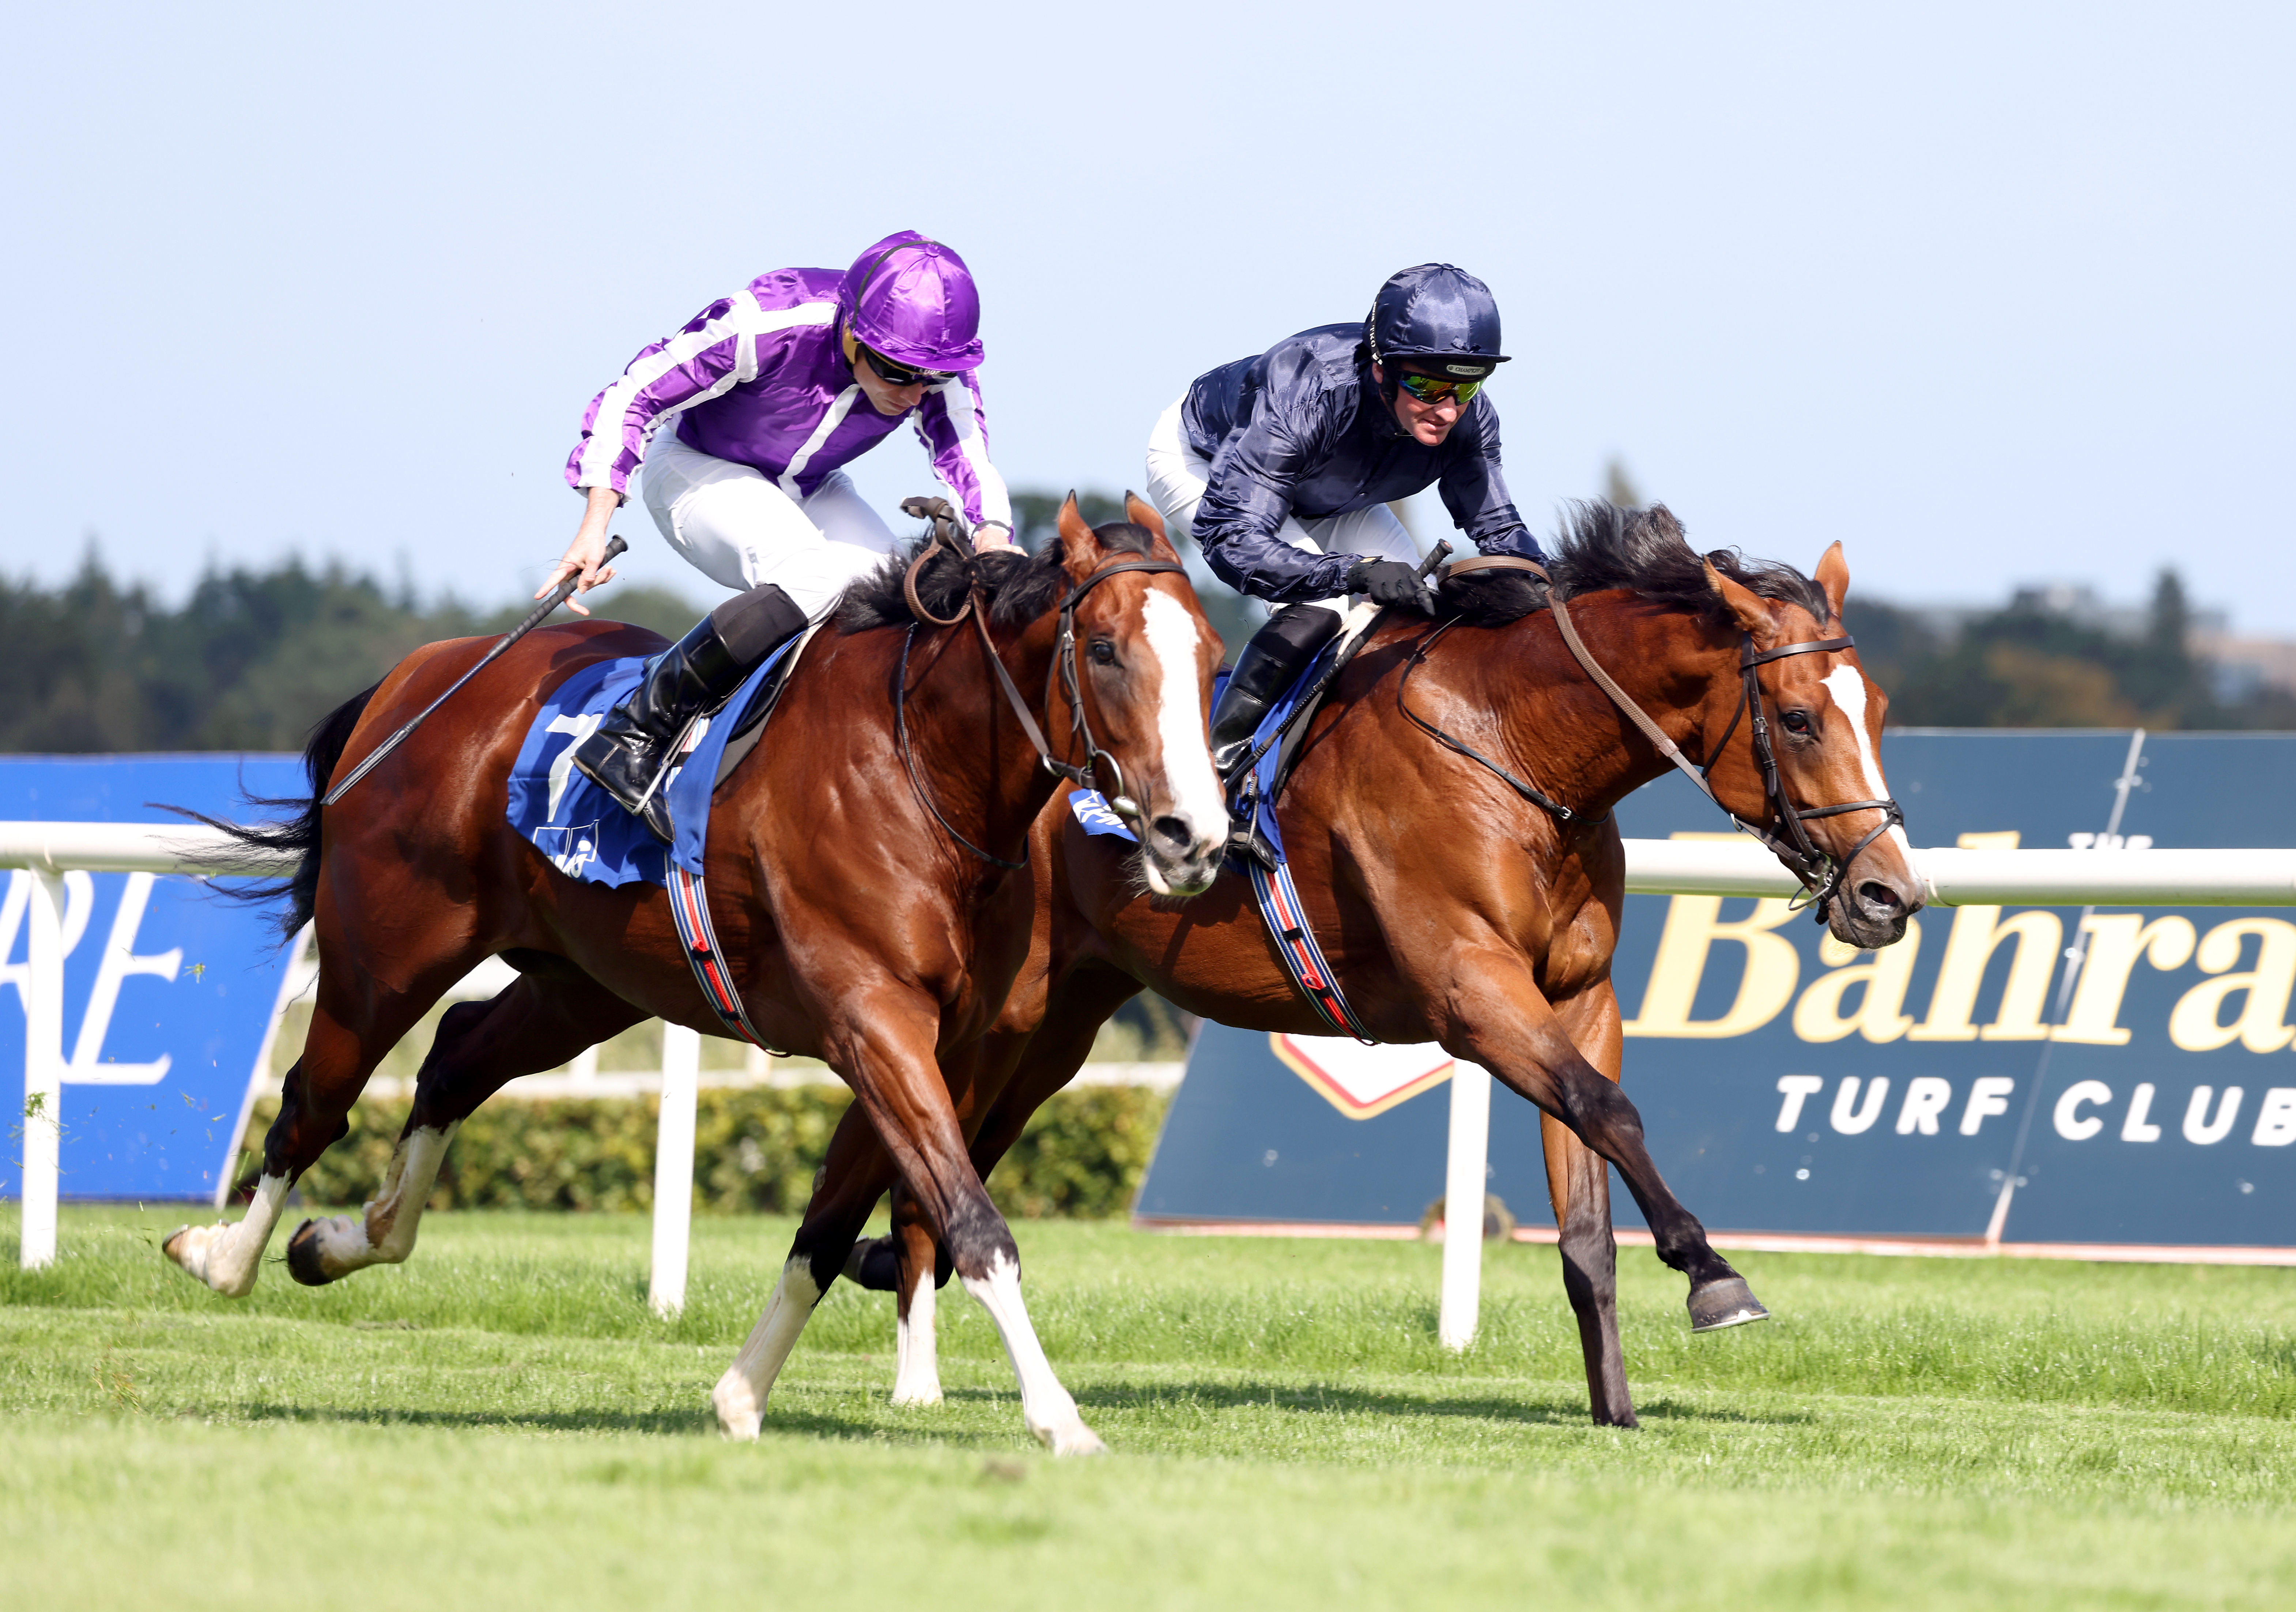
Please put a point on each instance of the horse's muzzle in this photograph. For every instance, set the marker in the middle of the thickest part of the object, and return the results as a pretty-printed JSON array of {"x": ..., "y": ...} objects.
[
  {"x": 1179, "y": 858},
  {"x": 1871, "y": 912}
]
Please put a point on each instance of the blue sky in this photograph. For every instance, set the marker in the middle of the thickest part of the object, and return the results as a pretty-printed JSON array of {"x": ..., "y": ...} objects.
[{"x": 1991, "y": 294}]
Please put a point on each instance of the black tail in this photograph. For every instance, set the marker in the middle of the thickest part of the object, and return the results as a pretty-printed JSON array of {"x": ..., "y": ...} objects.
[{"x": 299, "y": 833}]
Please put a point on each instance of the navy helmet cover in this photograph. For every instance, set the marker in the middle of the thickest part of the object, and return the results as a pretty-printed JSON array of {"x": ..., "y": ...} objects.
[{"x": 1438, "y": 315}]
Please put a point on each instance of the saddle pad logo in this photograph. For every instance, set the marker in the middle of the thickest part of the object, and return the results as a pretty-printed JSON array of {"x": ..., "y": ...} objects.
[
  {"x": 1363, "y": 1082},
  {"x": 1093, "y": 814}
]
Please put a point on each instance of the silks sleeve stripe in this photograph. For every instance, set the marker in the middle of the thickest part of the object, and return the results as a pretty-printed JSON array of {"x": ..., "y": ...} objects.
[
  {"x": 960, "y": 412},
  {"x": 640, "y": 401}
]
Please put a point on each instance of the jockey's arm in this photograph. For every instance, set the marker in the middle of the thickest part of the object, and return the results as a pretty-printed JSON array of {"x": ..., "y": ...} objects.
[{"x": 1475, "y": 492}]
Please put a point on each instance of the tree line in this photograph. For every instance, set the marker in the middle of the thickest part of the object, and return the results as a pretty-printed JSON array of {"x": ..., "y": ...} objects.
[{"x": 254, "y": 657}]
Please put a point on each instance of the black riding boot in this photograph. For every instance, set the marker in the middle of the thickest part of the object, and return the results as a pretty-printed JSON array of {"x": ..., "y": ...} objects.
[
  {"x": 696, "y": 674},
  {"x": 1264, "y": 672}
]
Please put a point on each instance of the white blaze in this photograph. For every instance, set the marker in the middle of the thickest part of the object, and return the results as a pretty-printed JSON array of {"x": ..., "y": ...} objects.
[
  {"x": 1847, "y": 684},
  {"x": 1171, "y": 634}
]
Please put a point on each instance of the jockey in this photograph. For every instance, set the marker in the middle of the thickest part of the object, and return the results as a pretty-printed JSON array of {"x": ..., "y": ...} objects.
[
  {"x": 1283, "y": 466},
  {"x": 743, "y": 420}
]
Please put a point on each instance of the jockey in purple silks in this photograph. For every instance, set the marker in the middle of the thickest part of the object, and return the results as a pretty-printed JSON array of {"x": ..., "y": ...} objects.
[{"x": 742, "y": 420}]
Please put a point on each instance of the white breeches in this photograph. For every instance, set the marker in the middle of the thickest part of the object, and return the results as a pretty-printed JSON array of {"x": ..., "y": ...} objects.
[
  {"x": 740, "y": 529},
  {"x": 1177, "y": 476}
]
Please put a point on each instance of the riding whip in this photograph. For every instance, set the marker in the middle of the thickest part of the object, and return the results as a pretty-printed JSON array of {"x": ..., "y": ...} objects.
[{"x": 534, "y": 619}]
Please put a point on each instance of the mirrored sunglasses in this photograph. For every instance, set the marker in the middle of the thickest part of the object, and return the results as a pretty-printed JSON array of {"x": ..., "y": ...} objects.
[{"x": 1427, "y": 389}]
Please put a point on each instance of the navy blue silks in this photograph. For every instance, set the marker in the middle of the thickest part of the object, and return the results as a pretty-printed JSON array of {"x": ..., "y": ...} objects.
[{"x": 1301, "y": 431}]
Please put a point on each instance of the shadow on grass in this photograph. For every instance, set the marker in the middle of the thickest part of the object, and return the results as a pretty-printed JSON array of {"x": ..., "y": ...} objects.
[
  {"x": 659, "y": 1423},
  {"x": 1531, "y": 1409}
]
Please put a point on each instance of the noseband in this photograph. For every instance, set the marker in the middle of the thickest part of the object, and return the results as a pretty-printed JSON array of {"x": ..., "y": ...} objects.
[
  {"x": 1067, "y": 654},
  {"x": 1821, "y": 875}
]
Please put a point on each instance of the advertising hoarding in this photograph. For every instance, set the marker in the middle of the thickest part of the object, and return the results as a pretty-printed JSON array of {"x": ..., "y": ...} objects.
[{"x": 1792, "y": 1086}]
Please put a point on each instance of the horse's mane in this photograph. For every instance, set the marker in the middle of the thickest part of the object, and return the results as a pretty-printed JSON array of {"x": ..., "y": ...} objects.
[
  {"x": 1021, "y": 587},
  {"x": 1603, "y": 546}
]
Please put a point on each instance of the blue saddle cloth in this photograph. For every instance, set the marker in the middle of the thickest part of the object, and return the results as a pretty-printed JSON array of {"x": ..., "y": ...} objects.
[{"x": 575, "y": 823}]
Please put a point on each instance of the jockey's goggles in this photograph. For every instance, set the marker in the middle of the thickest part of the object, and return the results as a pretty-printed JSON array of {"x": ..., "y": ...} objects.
[
  {"x": 1427, "y": 389},
  {"x": 900, "y": 374}
]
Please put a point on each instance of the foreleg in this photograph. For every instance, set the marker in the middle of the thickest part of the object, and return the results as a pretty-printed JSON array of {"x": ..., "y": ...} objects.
[{"x": 1496, "y": 1017}]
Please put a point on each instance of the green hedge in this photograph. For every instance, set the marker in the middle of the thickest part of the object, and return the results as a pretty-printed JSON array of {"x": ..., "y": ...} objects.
[{"x": 756, "y": 1149}]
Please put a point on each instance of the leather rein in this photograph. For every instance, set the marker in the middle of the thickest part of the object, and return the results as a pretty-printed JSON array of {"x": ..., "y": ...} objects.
[
  {"x": 1067, "y": 655},
  {"x": 1820, "y": 873}
]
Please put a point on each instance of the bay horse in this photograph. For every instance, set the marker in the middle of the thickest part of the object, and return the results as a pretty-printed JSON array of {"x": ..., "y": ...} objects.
[
  {"x": 867, "y": 874},
  {"x": 1450, "y": 907}
]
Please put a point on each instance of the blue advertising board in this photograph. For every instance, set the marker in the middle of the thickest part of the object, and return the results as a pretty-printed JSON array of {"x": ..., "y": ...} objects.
[
  {"x": 1790, "y": 1085},
  {"x": 169, "y": 990}
]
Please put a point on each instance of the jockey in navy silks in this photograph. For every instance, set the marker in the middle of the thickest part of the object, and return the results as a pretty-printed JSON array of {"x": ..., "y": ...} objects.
[
  {"x": 741, "y": 420},
  {"x": 1283, "y": 465}
]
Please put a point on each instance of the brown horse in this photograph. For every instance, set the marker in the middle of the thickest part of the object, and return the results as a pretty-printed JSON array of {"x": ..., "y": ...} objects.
[
  {"x": 862, "y": 928},
  {"x": 1451, "y": 909}
]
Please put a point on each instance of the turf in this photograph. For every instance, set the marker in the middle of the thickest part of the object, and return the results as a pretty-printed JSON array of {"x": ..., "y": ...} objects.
[{"x": 501, "y": 1423}]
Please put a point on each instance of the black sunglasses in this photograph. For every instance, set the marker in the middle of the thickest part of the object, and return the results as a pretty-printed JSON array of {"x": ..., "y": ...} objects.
[{"x": 900, "y": 374}]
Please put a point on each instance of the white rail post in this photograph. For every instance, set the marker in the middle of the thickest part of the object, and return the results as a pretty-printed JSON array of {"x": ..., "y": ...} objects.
[
  {"x": 673, "y": 1168},
  {"x": 1465, "y": 1172},
  {"x": 43, "y": 1064}
]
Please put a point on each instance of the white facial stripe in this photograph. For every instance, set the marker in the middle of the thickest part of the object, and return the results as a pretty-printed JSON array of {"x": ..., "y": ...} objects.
[
  {"x": 1847, "y": 684},
  {"x": 1171, "y": 634}
]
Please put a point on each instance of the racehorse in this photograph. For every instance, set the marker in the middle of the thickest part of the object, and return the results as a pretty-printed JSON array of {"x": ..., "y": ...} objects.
[
  {"x": 867, "y": 874},
  {"x": 1452, "y": 904}
]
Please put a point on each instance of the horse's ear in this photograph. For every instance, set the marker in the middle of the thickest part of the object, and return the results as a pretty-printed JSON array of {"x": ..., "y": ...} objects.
[
  {"x": 1751, "y": 611},
  {"x": 1833, "y": 576},
  {"x": 1076, "y": 536},
  {"x": 1141, "y": 513},
  {"x": 1136, "y": 509}
]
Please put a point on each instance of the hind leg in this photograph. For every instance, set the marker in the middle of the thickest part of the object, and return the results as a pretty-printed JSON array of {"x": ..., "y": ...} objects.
[
  {"x": 354, "y": 1022},
  {"x": 541, "y": 1020}
]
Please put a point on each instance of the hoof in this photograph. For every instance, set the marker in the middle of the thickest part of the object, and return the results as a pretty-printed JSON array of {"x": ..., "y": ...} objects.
[
  {"x": 739, "y": 1416},
  {"x": 303, "y": 1256},
  {"x": 907, "y": 1395},
  {"x": 174, "y": 1248},
  {"x": 1075, "y": 1439},
  {"x": 1726, "y": 1303}
]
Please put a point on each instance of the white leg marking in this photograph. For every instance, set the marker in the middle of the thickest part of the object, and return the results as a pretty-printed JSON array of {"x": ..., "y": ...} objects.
[
  {"x": 740, "y": 1396},
  {"x": 1046, "y": 1406},
  {"x": 384, "y": 1234},
  {"x": 917, "y": 1379},
  {"x": 1847, "y": 684},
  {"x": 1171, "y": 634},
  {"x": 226, "y": 1257}
]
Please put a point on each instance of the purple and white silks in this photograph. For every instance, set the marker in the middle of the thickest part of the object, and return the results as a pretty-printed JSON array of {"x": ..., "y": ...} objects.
[{"x": 760, "y": 377}]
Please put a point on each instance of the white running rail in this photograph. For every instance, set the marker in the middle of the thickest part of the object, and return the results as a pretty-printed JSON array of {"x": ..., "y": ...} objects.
[{"x": 1655, "y": 867}]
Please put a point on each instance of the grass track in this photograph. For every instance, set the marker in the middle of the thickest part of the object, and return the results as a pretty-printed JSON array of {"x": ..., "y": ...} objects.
[{"x": 500, "y": 1422}]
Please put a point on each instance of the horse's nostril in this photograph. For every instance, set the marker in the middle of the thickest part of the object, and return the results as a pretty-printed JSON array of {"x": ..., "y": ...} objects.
[
  {"x": 1878, "y": 897},
  {"x": 1172, "y": 830}
]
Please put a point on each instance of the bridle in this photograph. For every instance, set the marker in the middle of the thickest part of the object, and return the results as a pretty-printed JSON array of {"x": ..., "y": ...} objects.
[
  {"x": 1820, "y": 873},
  {"x": 1067, "y": 655}
]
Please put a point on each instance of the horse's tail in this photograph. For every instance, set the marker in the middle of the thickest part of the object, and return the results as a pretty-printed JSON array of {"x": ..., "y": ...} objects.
[{"x": 257, "y": 847}]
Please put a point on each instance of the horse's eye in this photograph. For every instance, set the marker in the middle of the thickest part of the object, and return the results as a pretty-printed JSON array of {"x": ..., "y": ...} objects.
[
  {"x": 1796, "y": 722},
  {"x": 1104, "y": 652}
]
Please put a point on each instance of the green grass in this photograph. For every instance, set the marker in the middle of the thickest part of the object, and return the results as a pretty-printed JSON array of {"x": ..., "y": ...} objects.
[{"x": 501, "y": 1423}]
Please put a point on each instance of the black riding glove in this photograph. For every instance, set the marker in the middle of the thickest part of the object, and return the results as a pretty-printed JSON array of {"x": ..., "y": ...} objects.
[{"x": 1388, "y": 582}]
